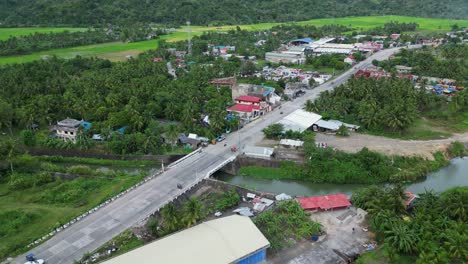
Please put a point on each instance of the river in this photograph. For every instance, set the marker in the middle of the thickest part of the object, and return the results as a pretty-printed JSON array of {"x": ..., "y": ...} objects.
[{"x": 455, "y": 174}]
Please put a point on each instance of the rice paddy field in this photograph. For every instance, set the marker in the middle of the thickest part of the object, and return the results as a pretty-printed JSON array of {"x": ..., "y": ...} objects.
[
  {"x": 117, "y": 51},
  {"x": 6, "y": 33}
]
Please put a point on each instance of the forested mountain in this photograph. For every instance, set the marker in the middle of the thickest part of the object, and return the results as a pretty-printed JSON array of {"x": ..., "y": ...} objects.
[{"x": 202, "y": 12}]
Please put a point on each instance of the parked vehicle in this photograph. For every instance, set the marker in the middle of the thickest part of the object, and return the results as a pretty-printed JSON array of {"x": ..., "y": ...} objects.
[
  {"x": 220, "y": 138},
  {"x": 31, "y": 259}
]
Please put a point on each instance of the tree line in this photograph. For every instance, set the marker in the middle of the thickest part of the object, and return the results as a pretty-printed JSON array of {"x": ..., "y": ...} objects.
[
  {"x": 432, "y": 230},
  {"x": 211, "y": 12}
]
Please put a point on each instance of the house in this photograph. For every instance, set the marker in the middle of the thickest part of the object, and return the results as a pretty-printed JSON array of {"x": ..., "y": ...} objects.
[
  {"x": 403, "y": 69},
  {"x": 395, "y": 36},
  {"x": 231, "y": 239},
  {"x": 325, "y": 202},
  {"x": 350, "y": 60},
  {"x": 410, "y": 198},
  {"x": 368, "y": 47},
  {"x": 249, "y": 107},
  {"x": 293, "y": 90},
  {"x": 190, "y": 142},
  {"x": 265, "y": 93},
  {"x": 67, "y": 129}
]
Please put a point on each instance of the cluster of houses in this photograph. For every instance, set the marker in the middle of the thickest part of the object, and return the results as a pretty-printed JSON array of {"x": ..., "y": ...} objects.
[
  {"x": 285, "y": 73},
  {"x": 297, "y": 50},
  {"x": 441, "y": 86}
]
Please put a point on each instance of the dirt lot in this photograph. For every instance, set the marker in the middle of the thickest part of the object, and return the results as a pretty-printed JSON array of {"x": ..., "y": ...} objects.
[
  {"x": 338, "y": 226},
  {"x": 389, "y": 146}
]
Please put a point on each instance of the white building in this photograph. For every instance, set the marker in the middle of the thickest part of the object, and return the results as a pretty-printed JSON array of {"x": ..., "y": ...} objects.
[
  {"x": 258, "y": 152},
  {"x": 67, "y": 129},
  {"x": 299, "y": 120}
]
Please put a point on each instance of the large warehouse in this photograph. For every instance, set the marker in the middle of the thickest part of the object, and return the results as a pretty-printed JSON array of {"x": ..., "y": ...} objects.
[
  {"x": 232, "y": 239},
  {"x": 299, "y": 120}
]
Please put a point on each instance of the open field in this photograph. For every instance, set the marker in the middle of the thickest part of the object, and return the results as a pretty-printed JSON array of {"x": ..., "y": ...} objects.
[
  {"x": 425, "y": 24},
  {"x": 6, "y": 33},
  {"x": 118, "y": 51}
]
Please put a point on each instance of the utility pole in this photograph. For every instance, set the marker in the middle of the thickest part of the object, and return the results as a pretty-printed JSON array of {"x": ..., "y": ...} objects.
[{"x": 189, "y": 41}]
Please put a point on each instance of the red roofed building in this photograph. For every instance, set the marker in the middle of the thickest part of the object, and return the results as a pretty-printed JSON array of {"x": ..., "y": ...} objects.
[
  {"x": 247, "y": 99},
  {"x": 410, "y": 198},
  {"x": 326, "y": 202}
]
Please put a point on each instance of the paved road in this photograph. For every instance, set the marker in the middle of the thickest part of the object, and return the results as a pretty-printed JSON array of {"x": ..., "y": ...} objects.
[{"x": 99, "y": 227}]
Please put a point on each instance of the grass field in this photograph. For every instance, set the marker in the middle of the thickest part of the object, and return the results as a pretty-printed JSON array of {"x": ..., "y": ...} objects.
[
  {"x": 29, "y": 213},
  {"x": 6, "y": 33},
  {"x": 117, "y": 51}
]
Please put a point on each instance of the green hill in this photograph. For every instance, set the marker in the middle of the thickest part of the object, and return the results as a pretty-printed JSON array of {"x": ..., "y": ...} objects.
[{"x": 213, "y": 12}]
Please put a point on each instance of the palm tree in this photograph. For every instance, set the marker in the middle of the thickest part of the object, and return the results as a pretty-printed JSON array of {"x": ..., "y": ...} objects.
[
  {"x": 170, "y": 216},
  {"x": 172, "y": 133},
  {"x": 401, "y": 238},
  {"x": 456, "y": 246},
  {"x": 193, "y": 210},
  {"x": 310, "y": 106}
]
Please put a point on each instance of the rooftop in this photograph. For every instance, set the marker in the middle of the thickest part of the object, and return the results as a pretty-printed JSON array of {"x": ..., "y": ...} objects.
[
  {"x": 325, "y": 202},
  {"x": 248, "y": 98},
  {"x": 243, "y": 108},
  {"x": 69, "y": 122},
  {"x": 223, "y": 240},
  {"x": 299, "y": 120}
]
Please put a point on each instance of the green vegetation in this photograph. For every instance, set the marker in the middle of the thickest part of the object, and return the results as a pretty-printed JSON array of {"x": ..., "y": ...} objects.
[
  {"x": 33, "y": 201},
  {"x": 286, "y": 223},
  {"x": 118, "y": 51},
  {"x": 167, "y": 12},
  {"x": 434, "y": 230},
  {"x": 18, "y": 45},
  {"x": 6, "y": 33},
  {"x": 325, "y": 165},
  {"x": 123, "y": 242}
]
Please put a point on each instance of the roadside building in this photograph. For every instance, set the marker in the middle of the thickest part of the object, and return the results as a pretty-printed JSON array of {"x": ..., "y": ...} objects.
[
  {"x": 332, "y": 126},
  {"x": 280, "y": 57},
  {"x": 291, "y": 143},
  {"x": 246, "y": 113},
  {"x": 302, "y": 41},
  {"x": 189, "y": 142},
  {"x": 325, "y": 202},
  {"x": 258, "y": 152},
  {"x": 299, "y": 120},
  {"x": 232, "y": 239},
  {"x": 67, "y": 129},
  {"x": 350, "y": 60},
  {"x": 403, "y": 69},
  {"x": 333, "y": 48}
]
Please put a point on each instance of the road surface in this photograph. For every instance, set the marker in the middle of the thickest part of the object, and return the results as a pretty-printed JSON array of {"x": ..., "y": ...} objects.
[{"x": 97, "y": 228}]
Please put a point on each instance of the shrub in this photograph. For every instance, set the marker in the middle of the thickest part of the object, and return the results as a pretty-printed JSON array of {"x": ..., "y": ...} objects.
[
  {"x": 228, "y": 200},
  {"x": 44, "y": 178},
  {"x": 20, "y": 181},
  {"x": 80, "y": 169},
  {"x": 152, "y": 226},
  {"x": 28, "y": 137},
  {"x": 273, "y": 131},
  {"x": 343, "y": 131},
  {"x": 456, "y": 149}
]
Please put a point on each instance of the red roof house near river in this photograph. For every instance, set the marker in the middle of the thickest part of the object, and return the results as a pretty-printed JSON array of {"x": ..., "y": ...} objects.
[{"x": 325, "y": 202}]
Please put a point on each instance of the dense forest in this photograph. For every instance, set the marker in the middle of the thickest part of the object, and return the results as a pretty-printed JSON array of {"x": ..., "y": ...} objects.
[{"x": 86, "y": 12}]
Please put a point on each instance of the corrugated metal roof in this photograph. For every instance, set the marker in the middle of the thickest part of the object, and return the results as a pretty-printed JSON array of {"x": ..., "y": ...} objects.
[
  {"x": 223, "y": 240},
  {"x": 258, "y": 151},
  {"x": 299, "y": 120}
]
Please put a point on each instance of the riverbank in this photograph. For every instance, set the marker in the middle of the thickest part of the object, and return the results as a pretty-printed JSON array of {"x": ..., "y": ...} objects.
[{"x": 450, "y": 176}]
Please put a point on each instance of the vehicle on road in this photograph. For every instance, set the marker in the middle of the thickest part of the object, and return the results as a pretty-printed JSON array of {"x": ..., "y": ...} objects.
[
  {"x": 179, "y": 186},
  {"x": 220, "y": 138},
  {"x": 31, "y": 259},
  {"x": 233, "y": 149}
]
